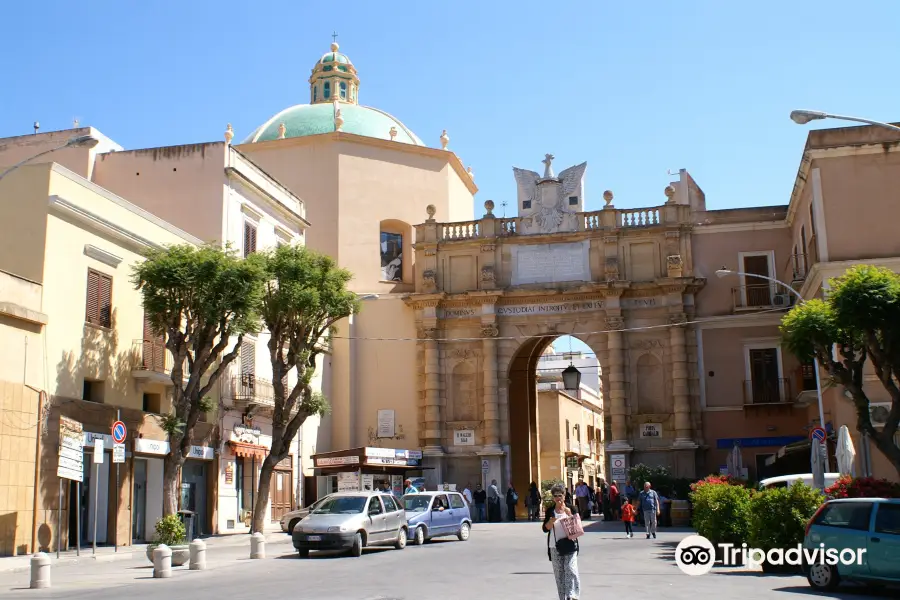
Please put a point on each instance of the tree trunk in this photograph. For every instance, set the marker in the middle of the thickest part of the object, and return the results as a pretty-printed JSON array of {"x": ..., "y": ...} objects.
[
  {"x": 171, "y": 477},
  {"x": 888, "y": 448},
  {"x": 262, "y": 494}
]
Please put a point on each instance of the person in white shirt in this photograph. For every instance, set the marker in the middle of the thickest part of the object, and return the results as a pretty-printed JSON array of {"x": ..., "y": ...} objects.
[
  {"x": 467, "y": 493},
  {"x": 563, "y": 552}
]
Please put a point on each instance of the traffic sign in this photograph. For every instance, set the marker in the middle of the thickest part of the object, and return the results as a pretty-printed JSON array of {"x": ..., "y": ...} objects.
[
  {"x": 119, "y": 432},
  {"x": 817, "y": 433},
  {"x": 485, "y": 465},
  {"x": 118, "y": 453},
  {"x": 98, "y": 452}
]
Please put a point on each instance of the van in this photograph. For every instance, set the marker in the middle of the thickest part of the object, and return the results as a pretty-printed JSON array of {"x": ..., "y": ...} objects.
[{"x": 806, "y": 478}]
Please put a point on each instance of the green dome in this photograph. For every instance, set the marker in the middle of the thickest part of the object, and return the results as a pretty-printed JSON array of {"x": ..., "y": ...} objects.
[
  {"x": 335, "y": 57},
  {"x": 312, "y": 119}
]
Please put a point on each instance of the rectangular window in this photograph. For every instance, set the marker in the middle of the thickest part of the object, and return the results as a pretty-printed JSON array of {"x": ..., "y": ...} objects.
[
  {"x": 573, "y": 200},
  {"x": 98, "y": 307},
  {"x": 567, "y": 429},
  {"x": 812, "y": 221},
  {"x": 846, "y": 515},
  {"x": 92, "y": 391},
  {"x": 757, "y": 292},
  {"x": 803, "y": 248},
  {"x": 249, "y": 238},
  {"x": 526, "y": 204},
  {"x": 887, "y": 519},
  {"x": 391, "y": 256},
  {"x": 248, "y": 358},
  {"x": 764, "y": 381}
]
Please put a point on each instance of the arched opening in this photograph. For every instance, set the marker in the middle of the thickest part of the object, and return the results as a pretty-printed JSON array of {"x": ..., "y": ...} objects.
[
  {"x": 554, "y": 433},
  {"x": 395, "y": 238}
]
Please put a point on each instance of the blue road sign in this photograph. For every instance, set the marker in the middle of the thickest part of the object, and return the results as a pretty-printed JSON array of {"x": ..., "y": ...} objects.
[{"x": 119, "y": 432}]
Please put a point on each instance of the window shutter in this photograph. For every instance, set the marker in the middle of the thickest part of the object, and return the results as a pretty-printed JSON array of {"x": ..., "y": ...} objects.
[
  {"x": 92, "y": 304},
  {"x": 249, "y": 239},
  {"x": 248, "y": 358},
  {"x": 104, "y": 296}
]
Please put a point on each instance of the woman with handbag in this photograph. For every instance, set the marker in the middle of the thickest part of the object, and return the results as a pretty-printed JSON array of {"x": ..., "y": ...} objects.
[{"x": 562, "y": 551}]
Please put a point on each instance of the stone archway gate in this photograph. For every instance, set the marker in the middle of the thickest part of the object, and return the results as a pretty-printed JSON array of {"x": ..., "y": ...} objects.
[{"x": 620, "y": 280}]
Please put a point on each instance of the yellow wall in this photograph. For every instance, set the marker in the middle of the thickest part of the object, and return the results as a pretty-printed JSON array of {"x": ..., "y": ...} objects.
[{"x": 23, "y": 202}]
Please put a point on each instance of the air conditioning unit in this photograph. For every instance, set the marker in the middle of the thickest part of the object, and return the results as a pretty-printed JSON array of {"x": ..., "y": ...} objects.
[
  {"x": 878, "y": 413},
  {"x": 782, "y": 300}
]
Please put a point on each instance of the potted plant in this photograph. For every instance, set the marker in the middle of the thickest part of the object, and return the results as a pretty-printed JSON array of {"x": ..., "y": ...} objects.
[
  {"x": 170, "y": 531},
  {"x": 778, "y": 518}
]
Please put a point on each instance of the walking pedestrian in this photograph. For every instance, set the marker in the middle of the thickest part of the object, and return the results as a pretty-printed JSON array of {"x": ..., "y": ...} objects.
[
  {"x": 512, "y": 499},
  {"x": 563, "y": 552},
  {"x": 582, "y": 497},
  {"x": 480, "y": 497},
  {"x": 493, "y": 496},
  {"x": 614, "y": 501},
  {"x": 650, "y": 506},
  {"x": 533, "y": 502},
  {"x": 628, "y": 512}
]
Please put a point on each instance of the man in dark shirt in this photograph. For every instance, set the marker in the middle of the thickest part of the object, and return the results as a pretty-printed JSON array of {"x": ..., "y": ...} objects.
[{"x": 480, "y": 498}]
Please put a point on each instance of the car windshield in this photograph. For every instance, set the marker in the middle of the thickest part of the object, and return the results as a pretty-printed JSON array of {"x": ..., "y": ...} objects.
[
  {"x": 413, "y": 503},
  {"x": 341, "y": 505}
]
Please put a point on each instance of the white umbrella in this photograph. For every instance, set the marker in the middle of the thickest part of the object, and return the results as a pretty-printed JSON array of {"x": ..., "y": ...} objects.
[
  {"x": 845, "y": 452},
  {"x": 737, "y": 461},
  {"x": 817, "y": 462}
]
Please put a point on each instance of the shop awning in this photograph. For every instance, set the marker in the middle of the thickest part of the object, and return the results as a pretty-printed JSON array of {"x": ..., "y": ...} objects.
[{"x": 245, "y": 450}]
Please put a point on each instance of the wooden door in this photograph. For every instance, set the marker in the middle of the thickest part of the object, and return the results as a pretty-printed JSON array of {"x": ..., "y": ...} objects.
[
  {"x": 764, "y": 376},
  {"x": 280, "y": 494}
]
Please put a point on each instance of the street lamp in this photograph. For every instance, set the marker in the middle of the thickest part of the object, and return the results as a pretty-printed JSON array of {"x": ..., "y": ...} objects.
[
  {"x": 571, "y": 377},
  {"x": 723, "y": 272},
  {"x": 81, "y": 141},
  {"x": 802, "y": 117}
]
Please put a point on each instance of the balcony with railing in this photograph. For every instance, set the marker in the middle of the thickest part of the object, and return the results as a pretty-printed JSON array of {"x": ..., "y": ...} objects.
[
  {"x": 248, "y": 392},
  {"x": 767, "y": 392},
  {"x": 760, "y": 296},
  {"x": 152, "y": 362},
  {"x": 573, "y": 446}
]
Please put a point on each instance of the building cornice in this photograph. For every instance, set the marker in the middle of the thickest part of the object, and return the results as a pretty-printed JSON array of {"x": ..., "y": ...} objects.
[
  {"x": 94, "y": 221},
  {"x": 734, "y": 227},
  {"x": 118, "y": 200},
  {"x": 821, "y": 272},
  {"x": 342, "y": 136},
  {"x": 732, "y": 321}
]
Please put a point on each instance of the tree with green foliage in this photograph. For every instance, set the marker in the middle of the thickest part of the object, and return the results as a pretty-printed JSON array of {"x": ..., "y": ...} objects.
[
  {"x": 858, "y": 321},
  {"x": 202, "y": 300},
  {"x": 305, "y": 296}
]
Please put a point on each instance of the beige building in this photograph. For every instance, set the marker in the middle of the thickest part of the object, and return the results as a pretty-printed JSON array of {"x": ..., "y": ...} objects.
[{"x": 72, "y": 330}]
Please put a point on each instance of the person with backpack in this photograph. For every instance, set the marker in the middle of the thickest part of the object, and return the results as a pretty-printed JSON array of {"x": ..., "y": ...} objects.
[{"x": 562, "y": 551}]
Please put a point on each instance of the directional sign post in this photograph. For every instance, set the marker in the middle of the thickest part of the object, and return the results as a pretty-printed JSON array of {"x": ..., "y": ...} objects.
[{"x": 70, "y": 465}]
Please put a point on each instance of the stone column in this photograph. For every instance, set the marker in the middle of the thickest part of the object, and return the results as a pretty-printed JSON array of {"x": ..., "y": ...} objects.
[
  {"x": 433, "y": 422},
  {"x": 615, "y": 342},
  {"x": 680, "y": 380},
  {"x": 491, "y": 399}
]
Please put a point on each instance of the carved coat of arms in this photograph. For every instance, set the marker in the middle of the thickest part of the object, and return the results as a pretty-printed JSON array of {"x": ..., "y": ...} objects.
[{"x": 544, "y": 201}]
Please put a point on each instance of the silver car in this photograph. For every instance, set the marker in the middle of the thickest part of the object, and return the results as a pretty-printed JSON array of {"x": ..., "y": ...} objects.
[
  {"x": 351, "y": 521},
  {"x": 290, "y": 519}
]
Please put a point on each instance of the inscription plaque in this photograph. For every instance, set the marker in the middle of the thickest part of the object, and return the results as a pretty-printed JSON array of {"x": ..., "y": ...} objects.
[{"x": 551, "y": 263}]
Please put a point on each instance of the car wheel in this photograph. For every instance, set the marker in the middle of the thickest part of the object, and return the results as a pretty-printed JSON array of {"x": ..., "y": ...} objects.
[
  {"x": 400, "y": 544},
  {"x": 291, "y": 526},
  {"x": 419, "y": 536},
  {"x": 304, "y": 552},
  {"x": 823, "y": 577},
  {"x": 356, "y": 549},
  {"x": 463, "y": 533}
]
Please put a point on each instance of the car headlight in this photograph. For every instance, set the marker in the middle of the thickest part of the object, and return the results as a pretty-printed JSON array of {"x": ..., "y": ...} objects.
[{"x": 337, "y": 529}]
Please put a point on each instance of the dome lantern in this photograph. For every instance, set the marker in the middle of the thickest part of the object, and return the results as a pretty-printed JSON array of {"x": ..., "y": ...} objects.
[{"x": 333, "y": 79}]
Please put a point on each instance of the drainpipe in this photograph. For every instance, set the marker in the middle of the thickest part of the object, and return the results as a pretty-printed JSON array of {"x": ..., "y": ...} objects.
[{"x": 37, "y": 468}]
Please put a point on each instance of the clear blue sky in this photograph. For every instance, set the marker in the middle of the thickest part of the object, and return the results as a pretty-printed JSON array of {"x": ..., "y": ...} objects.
[{"x": 634, "y": 88}]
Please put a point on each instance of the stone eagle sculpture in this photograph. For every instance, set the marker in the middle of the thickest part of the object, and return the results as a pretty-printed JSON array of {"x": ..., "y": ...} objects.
[{"x": 549, "y": 210}]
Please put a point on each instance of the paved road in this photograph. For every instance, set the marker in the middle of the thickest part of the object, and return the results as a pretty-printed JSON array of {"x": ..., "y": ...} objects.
[{"x": 499, "y": 561}]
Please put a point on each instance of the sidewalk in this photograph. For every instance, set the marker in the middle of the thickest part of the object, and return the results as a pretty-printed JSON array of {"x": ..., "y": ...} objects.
[{"x": 105, "y": 554}]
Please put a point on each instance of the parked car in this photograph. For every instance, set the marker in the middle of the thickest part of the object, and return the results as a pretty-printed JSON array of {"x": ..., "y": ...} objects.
[
  {"x": 870, "y": 524},
  {"x": 290, "y": 519},
  {"x": 788, "y": 480},
  {"x": 352, "y": 521},
  {"x": 437, "y": 514}
]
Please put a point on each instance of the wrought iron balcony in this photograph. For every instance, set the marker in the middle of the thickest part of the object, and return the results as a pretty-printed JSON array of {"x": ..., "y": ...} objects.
[
  {"x": 248, "y": 392},
  {"x": 152, "y": 361},
  {"x": 767, "y": 392},
  {"x": 760, "y": 296}
]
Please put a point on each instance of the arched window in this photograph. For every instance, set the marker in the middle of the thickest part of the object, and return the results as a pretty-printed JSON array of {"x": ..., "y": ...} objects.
[
  {"x": 327, "y": 68},
  {"x": 344, "y": 90},
  {"x": 326, "y": 89},
  {"x": 395, "y": 249},
  {"x": 315, "y": 93}
]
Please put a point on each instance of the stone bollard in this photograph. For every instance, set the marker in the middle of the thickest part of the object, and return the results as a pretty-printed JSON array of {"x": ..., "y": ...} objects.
[
  {"x": 198, "y": 555},
  {"x": 40, "y": 571},
  {"x": 257, "y": 545},
  {"x": 162, "y": 562}
]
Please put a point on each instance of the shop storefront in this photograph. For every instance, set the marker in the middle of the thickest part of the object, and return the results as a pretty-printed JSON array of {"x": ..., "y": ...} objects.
[
  {"x": 147, "y": 499},
  {"x": 365, "y": 469}
]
